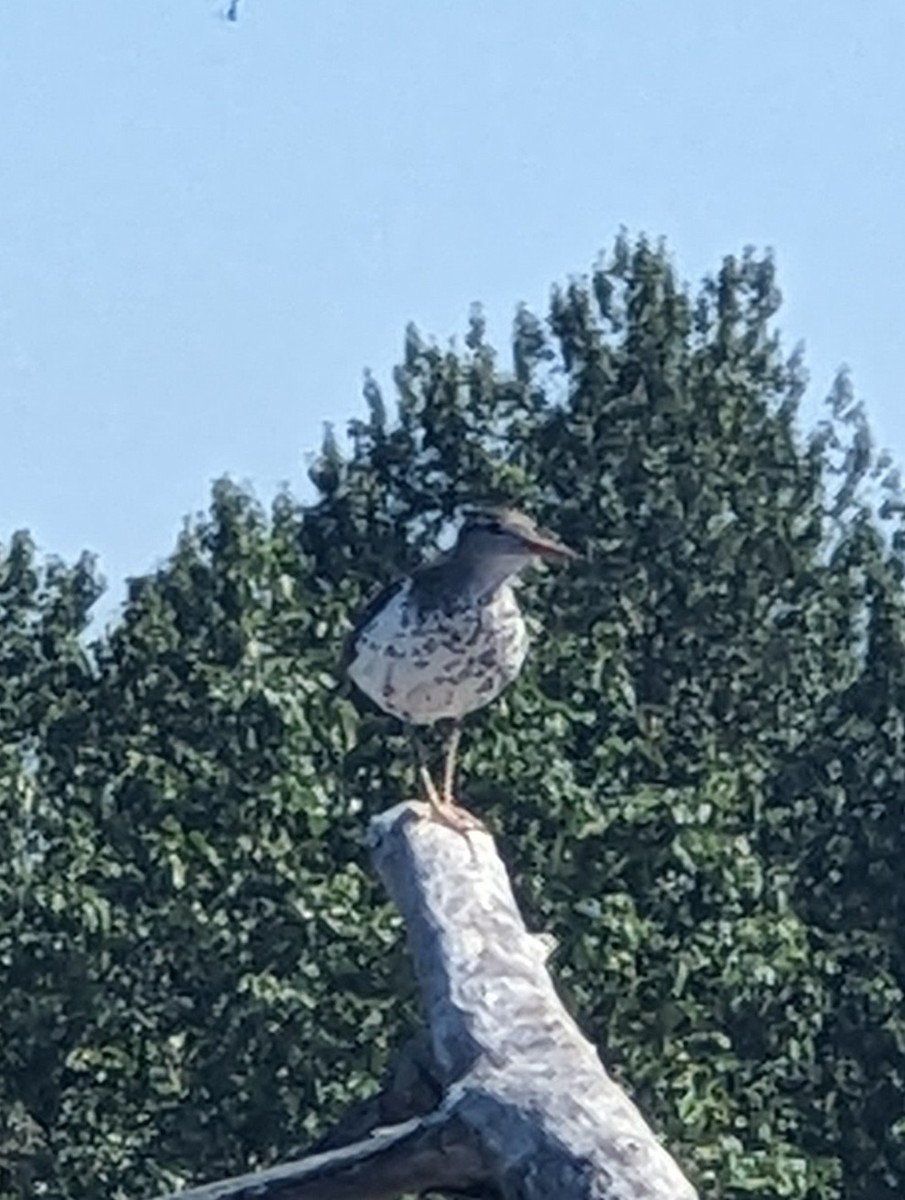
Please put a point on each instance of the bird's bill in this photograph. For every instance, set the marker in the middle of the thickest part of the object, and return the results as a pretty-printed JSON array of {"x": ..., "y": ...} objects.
[{"x": 544, "y": 545}]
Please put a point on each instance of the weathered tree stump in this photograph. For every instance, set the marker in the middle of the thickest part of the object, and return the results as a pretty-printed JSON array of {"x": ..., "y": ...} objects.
[{"x": 502, "y": 1095}]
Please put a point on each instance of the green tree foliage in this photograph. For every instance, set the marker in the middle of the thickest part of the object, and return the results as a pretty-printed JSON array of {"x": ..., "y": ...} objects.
[{"x": 698, "y": 781}]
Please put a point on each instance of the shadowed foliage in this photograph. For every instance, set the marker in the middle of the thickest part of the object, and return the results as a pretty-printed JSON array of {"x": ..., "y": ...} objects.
[{"x": 698, "y": 779}]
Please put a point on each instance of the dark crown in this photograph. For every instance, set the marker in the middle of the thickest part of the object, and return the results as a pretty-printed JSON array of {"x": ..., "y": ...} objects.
[{"x": 499, "y": 520}]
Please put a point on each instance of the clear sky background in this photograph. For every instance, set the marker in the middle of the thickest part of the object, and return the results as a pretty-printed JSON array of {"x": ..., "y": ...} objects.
[{"x": 208, "y": 229}]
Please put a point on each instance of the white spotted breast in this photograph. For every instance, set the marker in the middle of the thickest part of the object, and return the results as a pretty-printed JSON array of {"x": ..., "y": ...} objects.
[{"x": 426, "y": 664}]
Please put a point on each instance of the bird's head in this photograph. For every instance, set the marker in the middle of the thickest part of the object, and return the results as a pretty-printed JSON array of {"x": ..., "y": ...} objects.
[{"x": 507, "y": 534}]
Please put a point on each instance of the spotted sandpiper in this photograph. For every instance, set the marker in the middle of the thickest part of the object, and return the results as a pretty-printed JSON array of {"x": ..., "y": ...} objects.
[{"x": 445, "y": 640}]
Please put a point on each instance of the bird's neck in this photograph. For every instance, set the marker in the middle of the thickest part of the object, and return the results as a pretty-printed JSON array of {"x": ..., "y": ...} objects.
[
  {"x": 464, "y": 579},
  {"x": 480, "y": 578}
]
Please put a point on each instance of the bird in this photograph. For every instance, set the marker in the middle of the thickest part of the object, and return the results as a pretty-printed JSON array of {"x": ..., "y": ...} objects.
[{"x": 446, "y": 639}]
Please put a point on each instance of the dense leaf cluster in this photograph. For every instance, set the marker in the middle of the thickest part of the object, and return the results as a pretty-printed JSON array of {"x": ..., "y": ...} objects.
[{"x": 699, "y": 780}]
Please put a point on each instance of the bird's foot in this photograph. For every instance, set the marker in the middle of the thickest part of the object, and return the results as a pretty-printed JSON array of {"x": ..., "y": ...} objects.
[{"x": 445, "y": 811}]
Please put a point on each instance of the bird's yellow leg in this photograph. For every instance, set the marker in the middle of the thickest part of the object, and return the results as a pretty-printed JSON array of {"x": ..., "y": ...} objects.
[
  {"x": 449, "y": 765},
  {"x": 443, "y": 806},
  {"x": 427, "y": 783},
  {"x": 448, "y": 811}
]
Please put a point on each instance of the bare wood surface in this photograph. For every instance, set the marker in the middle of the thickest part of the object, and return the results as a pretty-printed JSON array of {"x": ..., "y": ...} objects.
[
  {"x": 521, "y": 1106},
  {"x": 428, "y": 1152},
  {"x": 533, "y": 1089}
]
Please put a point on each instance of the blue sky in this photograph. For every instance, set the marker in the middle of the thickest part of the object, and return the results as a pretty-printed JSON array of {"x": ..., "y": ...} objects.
[{"x": 208, "y": 229}]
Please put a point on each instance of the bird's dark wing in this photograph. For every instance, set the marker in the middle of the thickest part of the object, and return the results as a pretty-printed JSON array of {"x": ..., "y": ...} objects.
[{"x": 364, "y": 618}]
